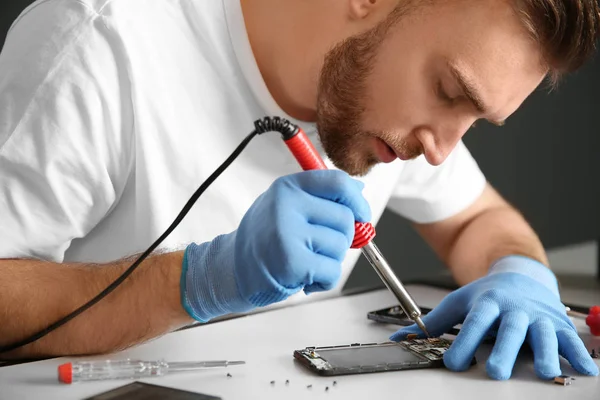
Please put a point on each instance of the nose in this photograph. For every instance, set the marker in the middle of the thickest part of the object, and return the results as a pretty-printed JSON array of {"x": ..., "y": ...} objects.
[{"x": 439, "y": 143}]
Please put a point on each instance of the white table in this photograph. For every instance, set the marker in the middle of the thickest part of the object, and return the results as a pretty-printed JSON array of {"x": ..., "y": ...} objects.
[{"x": 266, "y": 342}]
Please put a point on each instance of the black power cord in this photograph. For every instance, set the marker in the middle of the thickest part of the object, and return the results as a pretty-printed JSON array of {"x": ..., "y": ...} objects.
[{"x": 263, "y": 125}]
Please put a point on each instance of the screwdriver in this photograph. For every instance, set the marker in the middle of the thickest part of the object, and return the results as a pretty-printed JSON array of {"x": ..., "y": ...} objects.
[
  {"x": 130, "y": 369},
  {"x": 309, "y": 159}
]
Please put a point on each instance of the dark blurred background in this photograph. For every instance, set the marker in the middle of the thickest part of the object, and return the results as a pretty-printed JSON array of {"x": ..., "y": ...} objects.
[
  {"x": 9, "y": 10},
  {"x": 544, "y": 161}
]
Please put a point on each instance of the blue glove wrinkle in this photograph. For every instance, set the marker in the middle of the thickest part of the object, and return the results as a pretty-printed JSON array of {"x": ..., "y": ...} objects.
[{"x": 262, "y": 299}]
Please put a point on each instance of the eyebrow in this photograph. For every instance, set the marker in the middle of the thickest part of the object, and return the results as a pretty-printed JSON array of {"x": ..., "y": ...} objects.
[{"x": 471, "y": 91}]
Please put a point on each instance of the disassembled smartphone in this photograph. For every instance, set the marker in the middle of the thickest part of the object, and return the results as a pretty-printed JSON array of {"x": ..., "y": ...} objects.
[{"x": 375, "y": 357}]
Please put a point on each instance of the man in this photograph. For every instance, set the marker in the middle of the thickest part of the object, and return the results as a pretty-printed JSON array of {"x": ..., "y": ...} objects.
[{"x": 114, "y": 111}]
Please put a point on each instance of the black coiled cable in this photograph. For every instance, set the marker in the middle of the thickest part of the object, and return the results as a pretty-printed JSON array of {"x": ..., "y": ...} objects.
[
  {"x": 266, "y": 124},
  {"x": 276, "y": 124}
]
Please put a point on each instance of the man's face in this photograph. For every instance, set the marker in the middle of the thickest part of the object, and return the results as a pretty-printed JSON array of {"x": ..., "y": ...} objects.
[{"x": 417, "y": 87}]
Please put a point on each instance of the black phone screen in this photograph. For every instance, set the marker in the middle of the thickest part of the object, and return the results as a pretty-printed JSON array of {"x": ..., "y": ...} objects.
[{"x": 367, "y": 356}]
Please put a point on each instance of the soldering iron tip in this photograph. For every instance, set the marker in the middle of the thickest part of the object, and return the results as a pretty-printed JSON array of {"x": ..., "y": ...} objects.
[{"x": 421, "y": 325}]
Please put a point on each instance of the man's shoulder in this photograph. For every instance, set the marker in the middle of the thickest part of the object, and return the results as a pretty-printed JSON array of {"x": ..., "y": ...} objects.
[
  {"x": 49, "y": 29},
  {"x": 78, "y": 11},
  {"x": 50, "y": 34},
  {"x": 61, "y": 10},
  {"x": 53, "y": 23},
  {"x": 93, "y": 7}
]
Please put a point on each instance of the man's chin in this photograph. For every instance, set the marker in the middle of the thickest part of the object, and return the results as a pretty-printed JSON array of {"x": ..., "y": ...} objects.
[
  {"x": 348, "y": 154},
  {"x": 355, "y": 168}
]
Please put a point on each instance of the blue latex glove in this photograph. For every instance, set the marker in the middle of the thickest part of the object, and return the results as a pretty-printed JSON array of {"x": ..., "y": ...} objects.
[
  {"x": 294, "y": 237},
  {"x": 520, "y": 298}
]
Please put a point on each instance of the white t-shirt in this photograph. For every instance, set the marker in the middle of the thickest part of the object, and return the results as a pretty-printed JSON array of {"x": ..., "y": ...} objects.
[{"x": 113, "y": 112}]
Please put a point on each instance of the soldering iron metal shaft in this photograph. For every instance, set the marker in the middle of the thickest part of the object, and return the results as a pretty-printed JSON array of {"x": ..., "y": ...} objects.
[{"x": 386, "y": 274}]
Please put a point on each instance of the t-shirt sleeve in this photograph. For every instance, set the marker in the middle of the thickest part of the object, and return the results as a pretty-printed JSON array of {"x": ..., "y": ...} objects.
[
  {"x": 65, "y": 128},
  {"x": 426, "y": 193}
]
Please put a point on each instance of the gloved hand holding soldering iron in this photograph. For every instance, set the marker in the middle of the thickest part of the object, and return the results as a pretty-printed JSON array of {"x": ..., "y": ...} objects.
[{"x": 294, "y": 237}]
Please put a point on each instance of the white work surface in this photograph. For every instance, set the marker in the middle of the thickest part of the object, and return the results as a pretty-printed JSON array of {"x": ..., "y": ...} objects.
[{"x": 266, "y": 342}]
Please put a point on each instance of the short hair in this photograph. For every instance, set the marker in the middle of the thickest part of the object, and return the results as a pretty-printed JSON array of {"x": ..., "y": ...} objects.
[{"x": 566, "y": 30}]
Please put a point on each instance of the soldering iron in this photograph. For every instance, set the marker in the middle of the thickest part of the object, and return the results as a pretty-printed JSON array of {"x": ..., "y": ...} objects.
[{"x": 309, "y": 159}]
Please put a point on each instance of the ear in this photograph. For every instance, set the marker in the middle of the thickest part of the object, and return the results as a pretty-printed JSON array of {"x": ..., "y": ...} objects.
[{"x": 360, "y": 9}]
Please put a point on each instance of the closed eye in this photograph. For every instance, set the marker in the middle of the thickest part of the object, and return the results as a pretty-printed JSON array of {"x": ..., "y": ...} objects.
[{"x": 442, "y": 94}]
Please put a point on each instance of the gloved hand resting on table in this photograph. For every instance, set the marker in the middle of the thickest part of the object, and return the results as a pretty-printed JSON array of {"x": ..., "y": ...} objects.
[
  {"x": 520, "y": 298},
  {"x": 294, "y": 237}
]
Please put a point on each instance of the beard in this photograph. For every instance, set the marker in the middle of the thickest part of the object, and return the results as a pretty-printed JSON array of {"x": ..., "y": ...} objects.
[{"x": 342, "y": 99}]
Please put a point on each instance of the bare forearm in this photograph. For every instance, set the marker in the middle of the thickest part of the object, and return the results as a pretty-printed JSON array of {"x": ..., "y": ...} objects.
[
  {"x": 34, "y": 294},
  {"x": 494, "y": 233}
]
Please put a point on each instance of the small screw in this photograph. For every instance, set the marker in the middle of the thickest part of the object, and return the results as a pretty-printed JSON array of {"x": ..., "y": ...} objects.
[
  {"x": 326, "y": 388},
  {"x": 309, "y": 387},
  {"x": 287, "y": 381},
  {"x": 272, "y": 382},
  {"x": 228, "y": 375},
  {"x": 334, "y": 383}
]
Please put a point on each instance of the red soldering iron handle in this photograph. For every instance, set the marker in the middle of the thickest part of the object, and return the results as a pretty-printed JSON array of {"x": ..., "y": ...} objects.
[{"x": 309, "y": 159}]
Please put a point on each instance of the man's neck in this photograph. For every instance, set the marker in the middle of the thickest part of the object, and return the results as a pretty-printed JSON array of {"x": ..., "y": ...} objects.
[{"x": 289, "y": 66}]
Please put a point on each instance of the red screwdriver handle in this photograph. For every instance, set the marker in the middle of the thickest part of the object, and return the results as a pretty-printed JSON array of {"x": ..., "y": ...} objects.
[{"x": 309, "y": 159}]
